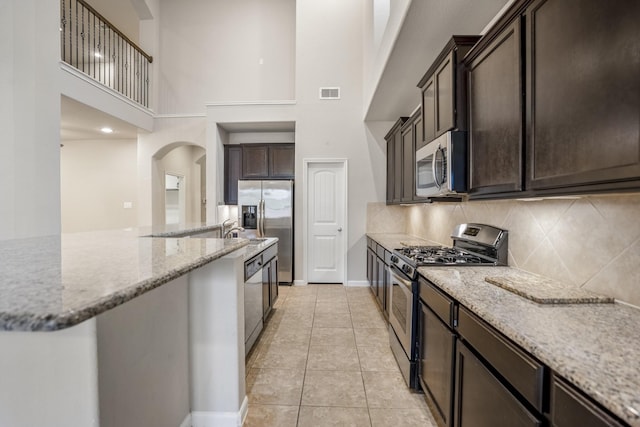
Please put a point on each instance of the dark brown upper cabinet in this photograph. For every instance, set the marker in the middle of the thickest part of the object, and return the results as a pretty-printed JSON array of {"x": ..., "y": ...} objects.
[
  {"x": 554, "y": 100},
  {"x": 401, "y": 158},
  {"x": 394, "y": 161},
  {"x": 268, "y": 161},
  {"x": 282, "y": 161},
  {"x": 408, "y": 158},
  {"x": 232, "y": 173},
  {"x": 582, "y": 95},
  {"x": 256, "y": 161},
  {"x": 495, "y": 111},
  {"x": 444, "y": 92}
]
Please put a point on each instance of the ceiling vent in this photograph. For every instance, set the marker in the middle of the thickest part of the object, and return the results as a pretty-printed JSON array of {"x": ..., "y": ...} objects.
[{"x": 329, "y": 93}]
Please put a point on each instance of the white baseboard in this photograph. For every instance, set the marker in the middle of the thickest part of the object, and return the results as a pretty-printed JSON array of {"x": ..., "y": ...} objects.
[
  {"x": 220, "y": 419},
  {"x": 358, "y": 283},
  {"x": 186, "y": 422},
  {"x": 299, "y": 283}
]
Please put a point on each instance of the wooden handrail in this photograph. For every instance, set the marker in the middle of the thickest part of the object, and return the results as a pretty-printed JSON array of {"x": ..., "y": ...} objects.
[{"x": 114, "y": 29}]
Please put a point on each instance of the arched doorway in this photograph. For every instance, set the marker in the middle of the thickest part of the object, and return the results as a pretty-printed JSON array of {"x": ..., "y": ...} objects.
[{"x": 178, "y": 183}]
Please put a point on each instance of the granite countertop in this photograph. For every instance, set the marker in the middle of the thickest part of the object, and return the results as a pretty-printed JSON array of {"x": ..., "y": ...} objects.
[
  {"x": 391, "y": 241},
  {"x": 593, "y": 345},
  {"x": 53, "y": 282}
]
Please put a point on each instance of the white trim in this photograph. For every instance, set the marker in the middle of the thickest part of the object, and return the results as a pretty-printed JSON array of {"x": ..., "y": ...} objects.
[
  {"x": 239, "y": 103},
  {"x": 220, "y": 419},
  {"x": 93, "y": 82},
  {"x": 186, "y": 422},
  {"x": 181, "y": 116},
  {"x": 300, "y": 283},
  {"x": 345, "y": 227},
  {"x": 358, "y": 283}
]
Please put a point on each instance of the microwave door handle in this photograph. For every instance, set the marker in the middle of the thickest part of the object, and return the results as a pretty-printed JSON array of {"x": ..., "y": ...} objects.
[{"x": 433, "y": 170}]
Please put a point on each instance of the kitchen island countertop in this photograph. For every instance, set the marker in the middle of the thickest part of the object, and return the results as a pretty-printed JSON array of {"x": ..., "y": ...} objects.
[{"x": 54, "y": 282}]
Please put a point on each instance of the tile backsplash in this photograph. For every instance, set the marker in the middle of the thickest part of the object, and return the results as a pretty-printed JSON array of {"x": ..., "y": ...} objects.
[{"x": 592, "y": 242}]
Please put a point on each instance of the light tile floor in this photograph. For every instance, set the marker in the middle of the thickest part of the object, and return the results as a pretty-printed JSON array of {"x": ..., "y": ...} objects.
[{"x": 323, "y": 359}]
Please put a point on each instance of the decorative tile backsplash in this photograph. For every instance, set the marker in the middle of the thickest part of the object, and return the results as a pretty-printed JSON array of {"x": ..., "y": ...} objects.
[{"x": 592, "y": 242}]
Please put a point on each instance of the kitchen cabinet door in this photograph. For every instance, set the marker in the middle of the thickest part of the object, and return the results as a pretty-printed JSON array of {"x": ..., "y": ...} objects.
[
  {"x": 380, "y": 267},
  {"x": 569, "y": 407},
  {"x": 255, "y": 161},
  {"x": 398, "y": 168},
  {"x": 444, "y": 91},
  {"x": 281, "y": 161},
  {"x": 445, "y": 96},
  {"x": 391, "y": 152},
  {"x": 436, "y": 365},
  {"x": 273, "y": 282},
  {"x": 583, "y": 94},
  {"x": 232, "y": 173},
  {"x": 482, "y": 400},
  {"x": 394, "y": 161},
  {"x": 266, "y": 289},
  {"x": 371, "y": 269},
  {"x": 428, "y": 112},
  {"x": 495, "y": 114},
  {"x": 408, "y": 156}
]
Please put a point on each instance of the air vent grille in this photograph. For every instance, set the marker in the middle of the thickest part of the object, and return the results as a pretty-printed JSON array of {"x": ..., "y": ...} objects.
[{"x": 329, "y": 93}]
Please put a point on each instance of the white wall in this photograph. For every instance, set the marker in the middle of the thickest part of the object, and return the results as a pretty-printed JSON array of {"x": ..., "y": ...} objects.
[
  {"x": 96, "y": 178},
  {"x": 220, "y": 50},
  {"x": 29, "y": 119},
  {"x": 329, "y": 52}
]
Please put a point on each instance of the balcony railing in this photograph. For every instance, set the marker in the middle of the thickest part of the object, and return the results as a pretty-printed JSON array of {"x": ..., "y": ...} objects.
[{"x": 90, "y": 43}]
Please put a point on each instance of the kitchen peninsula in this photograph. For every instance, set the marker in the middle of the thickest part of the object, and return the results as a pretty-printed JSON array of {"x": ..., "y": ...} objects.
[{"x": 101, "y": 327}]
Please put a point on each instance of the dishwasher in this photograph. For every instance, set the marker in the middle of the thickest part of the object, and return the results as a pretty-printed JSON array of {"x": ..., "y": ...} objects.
[{"x": 253, "y": 321}]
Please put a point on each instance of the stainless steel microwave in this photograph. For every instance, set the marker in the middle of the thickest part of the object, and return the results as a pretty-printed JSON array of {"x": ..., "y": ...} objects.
[{"x": 441, "y": 166}]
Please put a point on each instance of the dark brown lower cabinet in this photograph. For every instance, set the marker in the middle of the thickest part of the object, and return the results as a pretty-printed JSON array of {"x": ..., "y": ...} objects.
[
  {"x": 436, "y": 365},
  {"x": 482, "y": 400},
  {"x": 269, "y": 286},
  {"x": 569, "y": 408},
  {"x": 380, "y": 276}
]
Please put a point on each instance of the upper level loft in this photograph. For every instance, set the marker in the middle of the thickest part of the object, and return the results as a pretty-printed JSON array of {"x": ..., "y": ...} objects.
[{"x": 94, "y": 46}]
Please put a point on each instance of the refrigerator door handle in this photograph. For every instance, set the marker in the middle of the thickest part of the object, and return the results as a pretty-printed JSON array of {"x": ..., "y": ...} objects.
[{"x": 261, "y": 218}]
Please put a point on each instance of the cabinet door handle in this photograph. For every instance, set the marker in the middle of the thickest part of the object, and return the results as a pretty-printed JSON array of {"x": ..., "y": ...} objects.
[{"x": 339, "y": 228}]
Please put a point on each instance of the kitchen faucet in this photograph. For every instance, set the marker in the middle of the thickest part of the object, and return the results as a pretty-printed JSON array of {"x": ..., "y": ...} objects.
[
  {"x": 228, "y": 234},
  {"x": 226, "y": 222}
]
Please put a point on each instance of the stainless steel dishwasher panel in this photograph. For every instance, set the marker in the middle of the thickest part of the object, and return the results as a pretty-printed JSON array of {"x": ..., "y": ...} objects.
[{"x": 252, "y": 302}]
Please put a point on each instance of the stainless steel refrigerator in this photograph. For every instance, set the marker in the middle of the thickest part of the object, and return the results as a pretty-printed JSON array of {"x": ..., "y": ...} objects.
[{"x": 265, "y": 209}]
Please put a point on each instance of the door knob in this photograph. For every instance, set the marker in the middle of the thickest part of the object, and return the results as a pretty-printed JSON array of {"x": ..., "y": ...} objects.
[{"x": 339, "y": 228}]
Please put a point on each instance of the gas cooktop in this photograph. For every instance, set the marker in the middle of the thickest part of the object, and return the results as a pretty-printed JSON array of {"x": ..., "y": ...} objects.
[
  {"x": 440, "y": 255},
  {"x": 473, "y": 245}
]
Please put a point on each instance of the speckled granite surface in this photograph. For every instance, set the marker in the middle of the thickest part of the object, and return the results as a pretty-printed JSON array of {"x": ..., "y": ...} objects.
[
  {"x": 544, "y": 291},
  {"x": 594, "y": 346},
  {"x": 178, "y": 230},
  {"x": 390, "y": 241},
  {"x": 54, "y": 282}
]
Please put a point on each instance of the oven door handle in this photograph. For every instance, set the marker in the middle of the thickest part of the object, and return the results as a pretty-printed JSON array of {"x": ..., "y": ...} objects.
[{"x": 399, "y": 275}]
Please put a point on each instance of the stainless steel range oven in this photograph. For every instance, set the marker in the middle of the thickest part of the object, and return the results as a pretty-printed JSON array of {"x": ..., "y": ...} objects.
[
  {"x": 473, "y": 245},
  {"x": 402, "y": 317}
]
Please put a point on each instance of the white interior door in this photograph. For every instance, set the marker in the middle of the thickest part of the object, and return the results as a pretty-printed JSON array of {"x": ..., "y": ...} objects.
[{"x": 326, "y": 222}]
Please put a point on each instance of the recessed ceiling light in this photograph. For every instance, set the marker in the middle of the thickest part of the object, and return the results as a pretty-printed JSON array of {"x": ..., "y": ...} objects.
[{"x": 106, "y": 130}]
